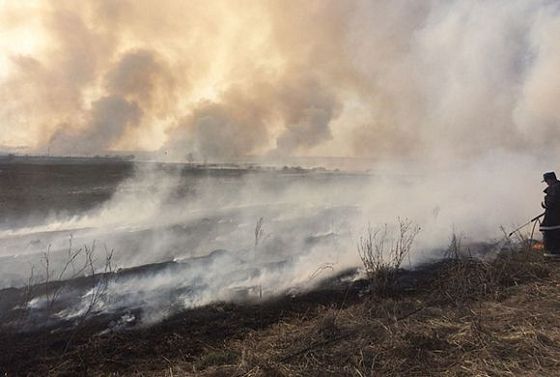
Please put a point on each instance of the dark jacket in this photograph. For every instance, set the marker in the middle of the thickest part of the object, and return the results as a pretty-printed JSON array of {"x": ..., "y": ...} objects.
[{"x": 551, "y": 203}]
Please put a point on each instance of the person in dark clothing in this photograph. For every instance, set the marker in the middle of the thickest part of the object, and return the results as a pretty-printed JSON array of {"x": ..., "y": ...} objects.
[{"x": 550, "y": 226}]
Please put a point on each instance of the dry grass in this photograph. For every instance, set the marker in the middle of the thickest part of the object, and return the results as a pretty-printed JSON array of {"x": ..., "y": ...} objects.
[
  {"x": 461, "y": 278},
  {"x": 467, "y": 317},
  {"x": 498, "y": 318},
  {"x": 383, "y": 251},
  {"x": 492, "y": 339}
]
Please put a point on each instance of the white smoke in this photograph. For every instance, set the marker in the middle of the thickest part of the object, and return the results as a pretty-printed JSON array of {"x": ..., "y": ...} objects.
[
  {"x": 311, "y": 220},
  {"x": 382, "y": 79},
  {"x": 454, "y": 102}
]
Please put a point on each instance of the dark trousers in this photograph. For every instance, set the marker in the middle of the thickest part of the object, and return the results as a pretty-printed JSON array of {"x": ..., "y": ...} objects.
[{"x": 551, "y": 239}]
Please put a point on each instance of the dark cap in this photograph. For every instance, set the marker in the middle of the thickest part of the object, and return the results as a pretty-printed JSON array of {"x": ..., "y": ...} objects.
[{"x": 549, "y": 176}]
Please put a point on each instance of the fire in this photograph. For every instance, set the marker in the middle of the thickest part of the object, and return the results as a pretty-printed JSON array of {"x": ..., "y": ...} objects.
[{"x": 537, "y": 246}]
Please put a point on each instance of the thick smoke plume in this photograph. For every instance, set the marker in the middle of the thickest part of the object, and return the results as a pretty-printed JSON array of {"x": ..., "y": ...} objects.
[{"x": 221, "y": 79}]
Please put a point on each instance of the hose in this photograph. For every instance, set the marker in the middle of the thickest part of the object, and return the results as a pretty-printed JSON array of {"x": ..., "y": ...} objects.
[{"x": 533, "y": 232}]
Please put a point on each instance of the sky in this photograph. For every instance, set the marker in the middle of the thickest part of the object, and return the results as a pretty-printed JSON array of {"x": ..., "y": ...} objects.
[{"x": 223, "y": 79}]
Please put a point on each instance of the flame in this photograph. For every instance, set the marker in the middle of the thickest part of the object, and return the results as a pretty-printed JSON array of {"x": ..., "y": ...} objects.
[{"x": 537, "y": 246}]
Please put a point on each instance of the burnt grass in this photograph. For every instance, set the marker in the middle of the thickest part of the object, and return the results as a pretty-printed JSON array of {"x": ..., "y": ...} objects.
[
  {"x": 459, "y": 316},
  {"x": 35, "y": 189}
]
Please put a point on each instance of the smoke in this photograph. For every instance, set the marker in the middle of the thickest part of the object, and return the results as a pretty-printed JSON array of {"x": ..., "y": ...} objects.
[
  {"x": 109, "y": 117},
  {"x": 308, "y": 109},
  {"x": 385, "y": 80},
  {"x": 454, "y": 102},
  {"x": 205, "y": 221},
  {"x": 137, "y": 86},
  {"x": 237, "y": 123}
]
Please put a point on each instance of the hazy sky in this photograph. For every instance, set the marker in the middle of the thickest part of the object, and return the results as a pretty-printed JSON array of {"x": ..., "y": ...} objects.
[{"x": 223, "y": 79}]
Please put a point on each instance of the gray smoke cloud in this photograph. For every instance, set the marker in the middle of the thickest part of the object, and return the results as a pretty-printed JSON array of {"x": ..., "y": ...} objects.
[
  {"x": 384, "y": 80},
  {"x": 308, "y": 110},
  {"x": 239, "y": 121},
  {"x": 110, "y": 116},
  {"x": 142, "y": 77},
  {"x": 136, "y": 85}
]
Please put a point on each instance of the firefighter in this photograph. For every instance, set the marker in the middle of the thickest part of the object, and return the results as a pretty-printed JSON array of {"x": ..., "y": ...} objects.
[{"x": 550, "y": 226}]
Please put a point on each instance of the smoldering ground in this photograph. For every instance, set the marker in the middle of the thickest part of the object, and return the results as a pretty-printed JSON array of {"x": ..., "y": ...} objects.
[
  {"x": 206, "y": 225},
  {"x": 202, "y": 228}
]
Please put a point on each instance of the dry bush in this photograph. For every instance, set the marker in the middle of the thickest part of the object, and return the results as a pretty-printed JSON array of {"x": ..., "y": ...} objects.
[
  {"x": 462, "y": 278},
  {"x": 383, "y": 250},
  {"x": 455, "y": 249},
  {"x": 461, "y": 281},
  {"x": 79, "y": 269},
  {"x": 518, "y": 266},
  {"x": 79, "y": 262}
]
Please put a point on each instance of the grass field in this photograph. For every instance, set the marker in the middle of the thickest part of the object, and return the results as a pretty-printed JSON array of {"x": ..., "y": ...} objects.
[{"x": 457, "y": 317}]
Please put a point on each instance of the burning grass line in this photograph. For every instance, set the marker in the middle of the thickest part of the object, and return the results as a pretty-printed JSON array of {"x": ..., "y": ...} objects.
[{"x": 414, "y": 335}]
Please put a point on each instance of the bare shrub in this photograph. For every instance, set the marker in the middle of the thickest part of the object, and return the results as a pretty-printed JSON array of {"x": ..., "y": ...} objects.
[
  {"x": 79, "y": 263},
  {"x": 100, "y": 284},
  {"x": 259, "y": 231},
  {"x": 28, "y": 293},
  {"x": 100, "y": 280},
  {"x": 455, "y": 249},
  {"x": 383, "y": 250},
  {"x": 462, "y": 278},
  {"x": 512, "y": 267},
  {"x": 52, "y": 279}
]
